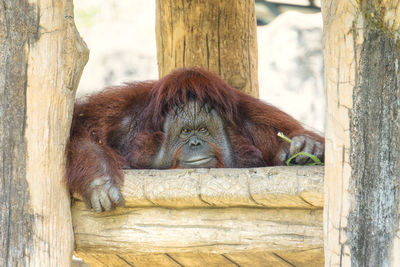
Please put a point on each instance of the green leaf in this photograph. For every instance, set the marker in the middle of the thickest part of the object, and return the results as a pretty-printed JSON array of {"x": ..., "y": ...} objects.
[
  {"x": 314, "y": 158},
  {"x": 284, "y": 137}
]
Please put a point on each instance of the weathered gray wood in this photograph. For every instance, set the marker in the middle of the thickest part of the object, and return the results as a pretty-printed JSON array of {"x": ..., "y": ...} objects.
[
  {"x": 16, "y": 221},
  {"x": 362, "y": 175},
  {"x": 41, "y": 59},
  {"x": 220, "y": 36}
]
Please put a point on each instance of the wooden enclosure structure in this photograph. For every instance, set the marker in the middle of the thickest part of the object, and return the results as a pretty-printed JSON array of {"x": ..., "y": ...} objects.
[{"x": 208, "y": 217}]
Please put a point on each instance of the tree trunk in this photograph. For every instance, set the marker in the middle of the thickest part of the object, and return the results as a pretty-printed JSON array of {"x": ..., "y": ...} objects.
[
  {"x": 41, "y": 60},
  {"x": 362, "y": 167},
  {"x": 220, "y": 36}
]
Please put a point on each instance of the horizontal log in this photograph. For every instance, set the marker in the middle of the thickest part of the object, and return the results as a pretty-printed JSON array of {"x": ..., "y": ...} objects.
[
  {"x": 205, "y": 230},
  {"x": 273, "y": 187}
]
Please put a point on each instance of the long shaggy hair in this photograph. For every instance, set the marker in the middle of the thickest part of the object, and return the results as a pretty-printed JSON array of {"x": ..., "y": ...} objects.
[{"x": 183, "y": 85}]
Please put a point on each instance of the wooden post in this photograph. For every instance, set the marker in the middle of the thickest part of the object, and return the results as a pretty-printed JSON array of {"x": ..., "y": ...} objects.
[
  {"x": 220, "y": 36},
  {"x": 362, "y": 171},
  {"x": 41, "y": 60}
]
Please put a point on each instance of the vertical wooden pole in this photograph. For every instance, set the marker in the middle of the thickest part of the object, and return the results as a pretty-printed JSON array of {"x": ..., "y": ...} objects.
[
  {"x": 220, "y": 36},
  {"x": 362, "y": 166},
  {"x": 41, "y": 60}
]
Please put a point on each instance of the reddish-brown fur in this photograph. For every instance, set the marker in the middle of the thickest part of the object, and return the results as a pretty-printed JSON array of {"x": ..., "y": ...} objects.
[{"x": 121, "y": 127}]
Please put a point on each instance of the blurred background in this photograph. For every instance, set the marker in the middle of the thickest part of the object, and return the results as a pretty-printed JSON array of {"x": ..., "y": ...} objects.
[{"x": 121, "y": 37}]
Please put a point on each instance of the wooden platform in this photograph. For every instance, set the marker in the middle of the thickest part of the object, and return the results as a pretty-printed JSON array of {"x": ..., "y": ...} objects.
[{"x": 208, "y": 217}]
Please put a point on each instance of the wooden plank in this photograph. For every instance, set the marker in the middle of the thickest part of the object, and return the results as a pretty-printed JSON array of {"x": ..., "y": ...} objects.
[
  {"x": 78, "y": 263},
  {"x": 202, "y": 259},
  {"x": 258, "y": 259},
  {"x": 151, "y": 260},
  {"x": 313, "y": 257},
  {"x": 102, "y": 260},
  {"x": 306, "y": 258}
]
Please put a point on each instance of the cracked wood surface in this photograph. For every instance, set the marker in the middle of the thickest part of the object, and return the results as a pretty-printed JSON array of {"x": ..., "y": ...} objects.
[
  {"x": 271, "y": 187},
  {"x": 247, "y": 217}
]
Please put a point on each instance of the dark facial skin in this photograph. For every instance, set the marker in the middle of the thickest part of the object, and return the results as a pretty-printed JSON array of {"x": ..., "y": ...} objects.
[{"x": 195, "y": 138}]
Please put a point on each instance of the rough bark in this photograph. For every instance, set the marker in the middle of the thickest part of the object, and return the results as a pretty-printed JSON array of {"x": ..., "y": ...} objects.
[
  {"x": 41, "y": 59},
  {"x": 218, "y": 217},
  {"x": 362, "y": 173},
  {"x": 220, "y": 36}
]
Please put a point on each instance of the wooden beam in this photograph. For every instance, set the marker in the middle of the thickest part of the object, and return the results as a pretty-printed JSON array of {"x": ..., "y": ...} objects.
[{"x": 217, "y": 230}]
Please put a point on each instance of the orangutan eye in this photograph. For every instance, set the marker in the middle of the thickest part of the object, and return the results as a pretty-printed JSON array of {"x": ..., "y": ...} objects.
[{"x": 185, "y": 131}]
